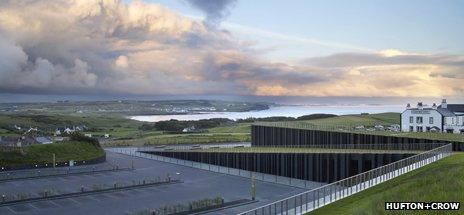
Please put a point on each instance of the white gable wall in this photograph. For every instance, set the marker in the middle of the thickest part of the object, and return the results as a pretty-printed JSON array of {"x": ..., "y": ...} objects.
[
  {"x": 456, "y": 124},
  {"x": 425, "y": 114}
]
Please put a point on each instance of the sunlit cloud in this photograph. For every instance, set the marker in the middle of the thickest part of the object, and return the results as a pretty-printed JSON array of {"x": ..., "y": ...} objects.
[{"x": 93, "y": 46}]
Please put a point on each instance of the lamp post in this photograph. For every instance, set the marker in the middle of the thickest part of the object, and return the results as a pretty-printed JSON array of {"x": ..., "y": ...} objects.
[{"x": 253, "y": 187}]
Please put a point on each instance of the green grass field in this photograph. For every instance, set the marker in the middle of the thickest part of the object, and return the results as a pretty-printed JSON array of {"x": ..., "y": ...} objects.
[
  {"x": 438, "y": 182},
  {"x": 64, "y": 151},
  {"x": 116, "y": 126},
  {"x": 355, "y": 120},
  {"x": 161, "y": 139},
  {"x": 234, "y": 128}
]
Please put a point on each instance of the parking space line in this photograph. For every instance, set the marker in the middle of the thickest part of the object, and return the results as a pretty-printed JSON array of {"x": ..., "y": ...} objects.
[
  {"x": 11, "y": 210},
  {"x": 53, "y": 203},
  {"x": 77, "y": 202},
  {"x": 33, "y": 206}
]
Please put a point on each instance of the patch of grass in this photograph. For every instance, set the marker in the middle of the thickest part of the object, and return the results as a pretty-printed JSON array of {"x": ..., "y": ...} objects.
[
  {"x": 437, "y": 182},
  {"x": 234, "y": 128},
  {"x": 65, "y": 151},
  {"x": 355, "y": 120},
  {"x": 180, "y": 139}
]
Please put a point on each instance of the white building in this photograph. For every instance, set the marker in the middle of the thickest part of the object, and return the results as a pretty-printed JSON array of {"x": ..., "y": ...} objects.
[{"x": 444, "y": 118}]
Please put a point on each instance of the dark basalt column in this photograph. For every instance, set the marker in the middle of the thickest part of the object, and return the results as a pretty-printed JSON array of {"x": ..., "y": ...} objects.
[
  {"x": 277, "y": 136},
  {"x": 320, "y": 167}
]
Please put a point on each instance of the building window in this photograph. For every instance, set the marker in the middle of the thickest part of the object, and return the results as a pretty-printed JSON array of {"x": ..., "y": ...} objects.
[
  {"x": 430, "y": 120},
  {"x": 411, "y": 119},
  {"x": 419, "y": 129},
  {"x": 419, "y": 120},
  {"x": 411, "y": 128}
]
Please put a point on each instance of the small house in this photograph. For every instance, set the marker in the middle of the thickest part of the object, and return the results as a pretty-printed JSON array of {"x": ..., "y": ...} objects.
[{"x": 44, "y": 140}]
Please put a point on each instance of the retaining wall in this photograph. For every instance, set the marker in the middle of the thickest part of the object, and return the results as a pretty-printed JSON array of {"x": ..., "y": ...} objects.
[
  {"x": 97, "y": 160},
  {"x": 319, "y": 167},
  {"x": 279, "y": 136}
]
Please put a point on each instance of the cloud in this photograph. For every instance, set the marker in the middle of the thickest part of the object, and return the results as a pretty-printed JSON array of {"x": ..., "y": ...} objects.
[
  {"x": 393, "y": 73},
  {"x": 215, "y": 10},
  {"x": 94, "y": 46},
  {"x": 18, "y": 72}
]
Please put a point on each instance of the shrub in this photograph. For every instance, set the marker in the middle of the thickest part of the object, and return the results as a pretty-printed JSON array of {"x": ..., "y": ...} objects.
[{"x": 76, "y": 136}]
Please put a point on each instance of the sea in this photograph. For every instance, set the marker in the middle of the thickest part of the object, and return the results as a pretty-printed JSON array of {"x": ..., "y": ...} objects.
[{"x": 288, "y": 111}]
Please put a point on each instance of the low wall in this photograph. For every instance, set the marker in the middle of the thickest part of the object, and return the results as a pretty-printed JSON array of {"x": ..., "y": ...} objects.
[
  {"x": 279, "y": 136},
  {"x": 319, "y": 167}
]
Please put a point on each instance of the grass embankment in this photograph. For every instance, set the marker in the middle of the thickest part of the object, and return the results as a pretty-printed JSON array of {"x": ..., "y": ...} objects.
[
  {"x": 65, "y": 151},
  {"x": 239, "y": 132},
  {"x": 356, "y": 120},
  {"x": 161, "y": 139},
  {"x": 438, "y": 182},
  {"x": 243, "y": 128}
]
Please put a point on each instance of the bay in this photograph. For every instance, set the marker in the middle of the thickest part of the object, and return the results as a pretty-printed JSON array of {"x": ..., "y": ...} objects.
[{"x": 288, "y": 111}]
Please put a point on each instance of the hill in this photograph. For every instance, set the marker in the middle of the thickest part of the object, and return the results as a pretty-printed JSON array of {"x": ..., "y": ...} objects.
[
  {"x": 441, "y": 181},
  {"x": 38, "y": 154}
]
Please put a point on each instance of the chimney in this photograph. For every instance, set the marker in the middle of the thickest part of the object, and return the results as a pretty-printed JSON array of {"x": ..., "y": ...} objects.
[
  {"x": 444, "y": 104},
  {"x": 408, "y": 106},
  {"x": 419, "y": 105},
  {"x": 434, "y": 106}
]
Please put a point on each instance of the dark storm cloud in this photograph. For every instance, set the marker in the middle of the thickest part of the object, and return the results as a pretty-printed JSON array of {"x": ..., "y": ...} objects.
[{"x": 215, "y": 10}]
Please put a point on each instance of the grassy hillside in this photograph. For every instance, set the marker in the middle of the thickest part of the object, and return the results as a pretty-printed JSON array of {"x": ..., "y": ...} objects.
[
  {"x": 346, "y": 120},
  {"x": 98, "y": 125},
  {"x": 440, "y": 181},
  {"x": 128, "y": 107},
  {"x": 235, "y": 128},
  {"x": 355, "y": 120},
  {"x": 65, "y": 151}
]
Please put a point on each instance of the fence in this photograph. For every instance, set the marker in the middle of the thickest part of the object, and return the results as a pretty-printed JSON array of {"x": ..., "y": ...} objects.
[
  {"x": 191, "y": 147},
  {"x": 398, "y": 148},
  {"x": 321, "y": 196}
]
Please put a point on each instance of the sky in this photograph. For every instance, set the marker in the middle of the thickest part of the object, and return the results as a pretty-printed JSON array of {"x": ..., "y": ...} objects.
[
  {"x": 340, "y": 49},
  {"x": 342, "y": 26}
]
